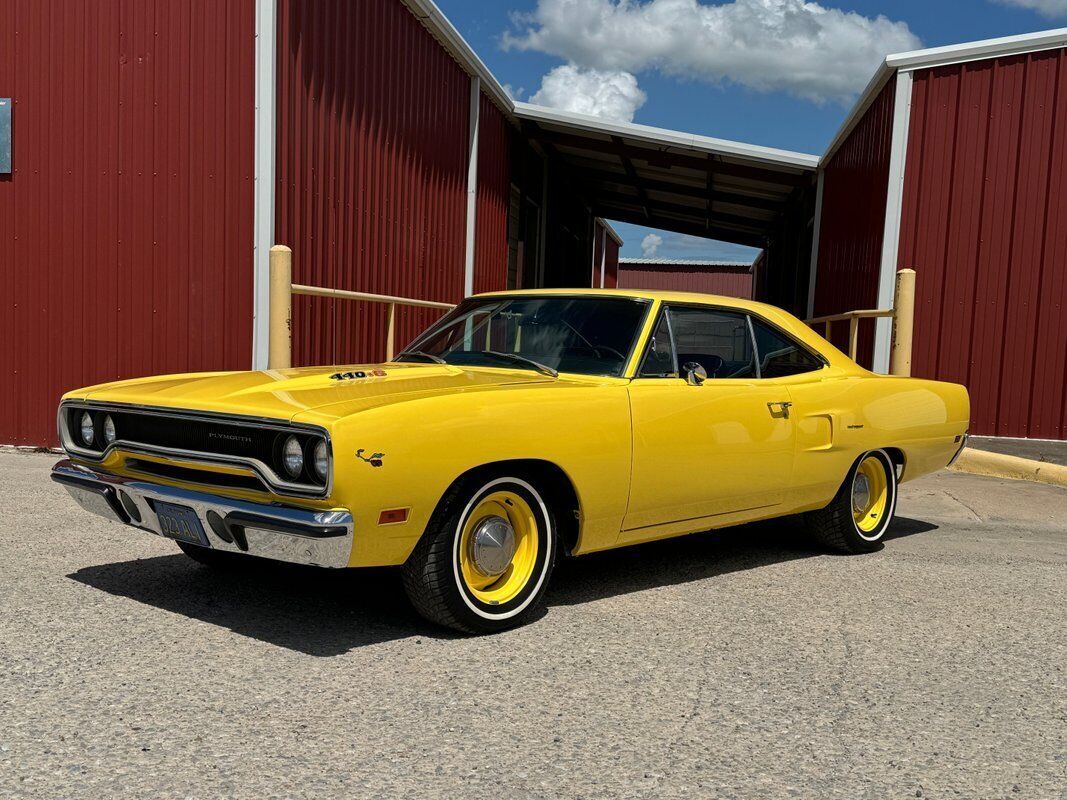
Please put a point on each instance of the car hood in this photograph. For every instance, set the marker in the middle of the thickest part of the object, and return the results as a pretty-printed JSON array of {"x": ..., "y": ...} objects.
[{"x": 288, "y": 392}]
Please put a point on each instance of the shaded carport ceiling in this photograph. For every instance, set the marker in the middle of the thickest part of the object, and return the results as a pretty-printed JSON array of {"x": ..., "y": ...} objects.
[{"x": 664, "y": 179}]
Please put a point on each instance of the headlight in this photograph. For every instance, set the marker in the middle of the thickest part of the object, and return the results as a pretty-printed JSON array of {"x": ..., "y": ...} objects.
[
  {"x": 109, "y": 429},
  {"x": 322, "y": 460},
  {"x": 293, "y": 457},
  {"x": 88, "y": 433}
]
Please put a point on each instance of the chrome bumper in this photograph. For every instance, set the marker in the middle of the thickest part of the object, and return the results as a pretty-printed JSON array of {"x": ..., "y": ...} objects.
[{"x": 282, "y": 533}]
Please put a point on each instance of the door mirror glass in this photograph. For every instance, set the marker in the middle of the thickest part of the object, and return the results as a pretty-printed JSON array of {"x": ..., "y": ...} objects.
[{"x": 695, "y": 374}]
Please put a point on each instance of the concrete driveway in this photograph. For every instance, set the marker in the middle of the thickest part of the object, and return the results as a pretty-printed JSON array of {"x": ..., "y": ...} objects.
[{"x": 734, "y": 664}]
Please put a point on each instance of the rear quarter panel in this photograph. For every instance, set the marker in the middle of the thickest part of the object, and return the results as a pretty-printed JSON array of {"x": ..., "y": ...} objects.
[
  {"x": 847, "y": 413},
  {"x": 923, "y": 418}
]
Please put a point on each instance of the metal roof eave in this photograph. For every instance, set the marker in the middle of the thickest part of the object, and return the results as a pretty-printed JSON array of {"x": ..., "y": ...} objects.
[
  {"x": 427, "y": 12},
  {"x": 666, "y": 138}
]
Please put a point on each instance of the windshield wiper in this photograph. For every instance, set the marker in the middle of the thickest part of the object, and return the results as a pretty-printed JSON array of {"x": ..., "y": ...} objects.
[
  {"x": 422, "y": 354},
  {"x": 544, "y": 369}
]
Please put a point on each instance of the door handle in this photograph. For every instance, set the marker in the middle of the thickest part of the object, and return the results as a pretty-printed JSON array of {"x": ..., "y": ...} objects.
[{"x": 780, "y": 409}]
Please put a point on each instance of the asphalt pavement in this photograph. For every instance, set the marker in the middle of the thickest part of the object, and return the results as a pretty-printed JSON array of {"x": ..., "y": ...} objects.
[{"x": 742, "y": 664}]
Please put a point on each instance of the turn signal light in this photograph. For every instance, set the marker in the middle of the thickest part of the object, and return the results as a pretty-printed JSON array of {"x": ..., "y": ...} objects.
[{"x": 392, "y": 516}]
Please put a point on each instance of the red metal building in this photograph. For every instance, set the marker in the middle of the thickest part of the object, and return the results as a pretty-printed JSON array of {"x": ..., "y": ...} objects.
[
  {"x": 126, "y": 223},
  {"x": 727, "y": 278},
  {"x": 953, "y": 164},
  {"x": 160, "y": 148}
]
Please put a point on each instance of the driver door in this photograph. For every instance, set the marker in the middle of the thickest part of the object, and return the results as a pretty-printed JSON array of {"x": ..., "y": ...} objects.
[{"x": 719, "y": 451}]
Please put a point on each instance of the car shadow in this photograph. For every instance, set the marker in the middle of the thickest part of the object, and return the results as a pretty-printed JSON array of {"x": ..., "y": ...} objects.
[
  {"x": 314, "y": 611},
  {"x": 329, "y": 612}
]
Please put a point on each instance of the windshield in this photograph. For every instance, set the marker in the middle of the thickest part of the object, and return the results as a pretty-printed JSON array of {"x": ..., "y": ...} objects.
[{"x": 586, "y": 335}]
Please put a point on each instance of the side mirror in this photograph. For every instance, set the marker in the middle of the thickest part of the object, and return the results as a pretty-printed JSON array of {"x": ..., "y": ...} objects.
[{"x": 695, "y": 374}]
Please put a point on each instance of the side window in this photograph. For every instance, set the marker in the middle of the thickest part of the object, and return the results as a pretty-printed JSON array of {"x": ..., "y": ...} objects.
[
  {"x": 659, "y": 358},
  {"x": 779, "y": 355},
  {"x": 717, "y": 340}
]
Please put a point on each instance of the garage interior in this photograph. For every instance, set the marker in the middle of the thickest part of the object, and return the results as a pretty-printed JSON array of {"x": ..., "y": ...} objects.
[{"x": 695, "y": 185}]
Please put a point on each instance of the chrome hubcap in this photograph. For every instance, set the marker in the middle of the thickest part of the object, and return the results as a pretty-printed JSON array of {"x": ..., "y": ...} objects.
[
  {"x": 492, "y": 545},
  {"x": 861, "y": 493}
]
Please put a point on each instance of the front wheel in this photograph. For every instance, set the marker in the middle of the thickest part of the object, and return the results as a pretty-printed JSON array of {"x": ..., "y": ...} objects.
[
  {"x": 857, "y": 518},
  {"x": 484, "y": 562}
]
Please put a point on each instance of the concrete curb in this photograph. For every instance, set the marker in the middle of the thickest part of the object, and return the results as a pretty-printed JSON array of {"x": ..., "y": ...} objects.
[{"x": 999, "y": 465}]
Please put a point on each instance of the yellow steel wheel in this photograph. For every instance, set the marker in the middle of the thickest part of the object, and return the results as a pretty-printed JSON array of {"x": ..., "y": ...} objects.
[
  {"x": 870, "y": 495},
  {"x": 498, "y": 547}
]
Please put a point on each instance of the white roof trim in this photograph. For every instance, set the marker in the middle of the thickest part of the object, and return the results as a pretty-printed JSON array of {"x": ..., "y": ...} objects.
[
  {"x": 881, "y": 77},
  {"x": 667, "y": 138},
  {"x": 971, "y": 51},
  {"x": 445, "y": 32},
  {"x": 683, "y": 262},
  {"x": 610, "y": 231}
]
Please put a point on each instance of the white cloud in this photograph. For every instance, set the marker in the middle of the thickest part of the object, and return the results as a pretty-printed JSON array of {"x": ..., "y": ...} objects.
[
  {"x": 612, "y": 94},
  {"x": 650, "y": 244},
  {"x": 1048, "y": 8},
  {"x": 796, "y": 46}
]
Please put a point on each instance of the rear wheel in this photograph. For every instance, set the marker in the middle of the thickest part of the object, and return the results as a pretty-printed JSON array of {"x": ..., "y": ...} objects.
[
  {"x": 857, "y": 518},
  {"x": 484, "y": 562}
]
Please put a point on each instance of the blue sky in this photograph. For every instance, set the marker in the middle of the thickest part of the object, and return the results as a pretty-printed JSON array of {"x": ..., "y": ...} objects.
[{"x": 686, "y": 86}]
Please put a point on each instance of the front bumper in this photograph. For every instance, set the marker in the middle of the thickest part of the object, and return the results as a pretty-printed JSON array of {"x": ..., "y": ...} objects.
[{"x": 269, "y": 530}]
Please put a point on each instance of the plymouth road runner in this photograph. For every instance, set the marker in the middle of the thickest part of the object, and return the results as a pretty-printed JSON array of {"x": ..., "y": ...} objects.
[{"x": 520, "y": 428}]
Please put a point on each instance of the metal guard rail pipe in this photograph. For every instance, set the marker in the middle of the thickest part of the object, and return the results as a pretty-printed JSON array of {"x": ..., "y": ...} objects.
[{"x": 282, "y": 289}]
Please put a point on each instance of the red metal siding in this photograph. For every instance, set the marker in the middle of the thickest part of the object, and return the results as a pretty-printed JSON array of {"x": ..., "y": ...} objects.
[
  {"x": 852, "y": 225},
  {"x": 726, "y": 281},
  {"x": 494, "y": 192},
  {"x": 985, "y": 227},
  {"x": 372, "y": 168},
  {"x": 126, "y": 227},
  {"x": 611, "y": 264}
]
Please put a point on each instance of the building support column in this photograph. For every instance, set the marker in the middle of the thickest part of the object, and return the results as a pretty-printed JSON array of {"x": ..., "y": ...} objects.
[
  {"x": 472, "y": 185},
  {"x": 813, "y": 264},
  {"x": 266, "y": 93},
  {"x": 883, "y": 330}
]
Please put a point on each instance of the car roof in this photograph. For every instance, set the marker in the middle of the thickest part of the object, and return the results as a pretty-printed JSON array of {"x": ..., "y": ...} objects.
[
  {"x": 795, "y": 326},
  {"x": 642, "y": 294}
]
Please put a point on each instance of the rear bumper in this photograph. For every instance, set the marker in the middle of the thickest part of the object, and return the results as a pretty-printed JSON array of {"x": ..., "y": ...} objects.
[{"x": 268, "y": 530}]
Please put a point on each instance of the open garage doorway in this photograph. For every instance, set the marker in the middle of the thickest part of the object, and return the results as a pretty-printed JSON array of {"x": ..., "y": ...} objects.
[{"x": 758, "y": 198}]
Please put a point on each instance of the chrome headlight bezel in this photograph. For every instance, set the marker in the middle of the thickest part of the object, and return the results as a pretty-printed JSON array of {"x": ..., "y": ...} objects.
[
  {"x": 292, "y": 457},
  {"x": 86, "y": 423}
]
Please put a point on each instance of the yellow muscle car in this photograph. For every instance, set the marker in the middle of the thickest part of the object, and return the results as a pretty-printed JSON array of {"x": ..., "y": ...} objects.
[{"x": 520, "y": 428}]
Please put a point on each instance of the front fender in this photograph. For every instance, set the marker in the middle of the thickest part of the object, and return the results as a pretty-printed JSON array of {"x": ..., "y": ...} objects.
[{"x": 424, "y": 444}]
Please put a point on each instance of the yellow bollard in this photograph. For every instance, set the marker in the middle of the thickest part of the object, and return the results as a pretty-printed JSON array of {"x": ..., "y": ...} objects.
[
  {"x": 280, "y": 349},
  {"x": 390, "y": 332},
  {"x": 903, "y": 323}
]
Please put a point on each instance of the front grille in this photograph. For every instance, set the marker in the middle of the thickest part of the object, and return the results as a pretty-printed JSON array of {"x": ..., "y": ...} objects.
[
  {"x": 244, "y": 441},
  {"x": 201, "y": 436},
  {"x": 192, "y": 475}
]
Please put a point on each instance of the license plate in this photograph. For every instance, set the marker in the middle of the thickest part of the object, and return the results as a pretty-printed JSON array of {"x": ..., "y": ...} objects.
[{"x": 179, "y": 522}]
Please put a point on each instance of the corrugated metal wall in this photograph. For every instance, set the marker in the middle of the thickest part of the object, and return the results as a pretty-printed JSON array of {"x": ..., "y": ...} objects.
[
  {"x": 494, "y": 191},
  {"x": 727, "y": 281},
  {"x": 611, "y": 264},
  {"x": 126, "y": 227},
  {"x": 985, "y": 227},
  {"x": 373, "y": 126},
  {"x": 852, "y": 226}
]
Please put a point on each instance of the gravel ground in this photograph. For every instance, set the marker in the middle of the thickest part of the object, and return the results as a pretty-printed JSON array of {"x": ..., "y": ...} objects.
[{"x": 738, "y": 664}]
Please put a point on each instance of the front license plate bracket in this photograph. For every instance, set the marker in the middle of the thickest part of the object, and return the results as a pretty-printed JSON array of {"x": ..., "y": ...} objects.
[{"x": 180, "y": 523}]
